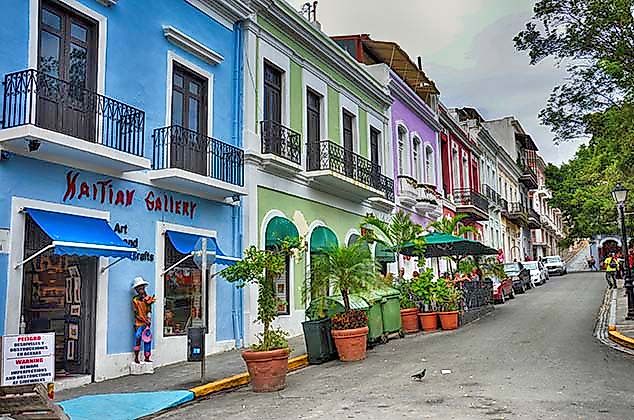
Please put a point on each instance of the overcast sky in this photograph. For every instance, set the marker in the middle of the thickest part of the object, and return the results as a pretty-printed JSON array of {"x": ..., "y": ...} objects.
[{"x": 467, "y": 49}]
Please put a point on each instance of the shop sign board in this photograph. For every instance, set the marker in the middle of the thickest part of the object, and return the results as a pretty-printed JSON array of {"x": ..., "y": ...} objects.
[{"x": 28, "y": 359}]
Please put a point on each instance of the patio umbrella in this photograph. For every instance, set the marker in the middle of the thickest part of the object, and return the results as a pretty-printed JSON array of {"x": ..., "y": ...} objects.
[{"x": 446, "y": 245}]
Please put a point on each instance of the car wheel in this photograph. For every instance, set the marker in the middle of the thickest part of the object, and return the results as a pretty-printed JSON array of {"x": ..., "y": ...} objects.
[{"x": 512, "y": 295}]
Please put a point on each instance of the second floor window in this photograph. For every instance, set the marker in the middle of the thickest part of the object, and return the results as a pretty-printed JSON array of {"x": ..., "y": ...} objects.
[
  {"x": 402, "y": 141},
  {"x": 374, "y": 149},
  {"x": 189, "y": 100},
  {"x": 313, "y": 116},
  {"x": 430, "y": 173},
  {"x": 272, "y": 94},
  {"x": 416, "y": 159}
]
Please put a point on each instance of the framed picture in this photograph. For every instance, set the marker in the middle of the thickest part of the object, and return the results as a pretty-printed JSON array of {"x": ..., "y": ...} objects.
[
  {"x": 70, "y": 350},
  {"x": 73, "y": 271},
  {"x": 76, "y": 289},
  {"x": 69, "y": 289},
  {"x": 73, "y": 331},
  {"x": 75, "y": 310}
]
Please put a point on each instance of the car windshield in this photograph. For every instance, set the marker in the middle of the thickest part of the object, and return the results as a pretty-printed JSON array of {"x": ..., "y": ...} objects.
[
  {"x": 552, "y": 260},
  {"x": 531, "y": 265},
  {"x": 511, "y": 268}
]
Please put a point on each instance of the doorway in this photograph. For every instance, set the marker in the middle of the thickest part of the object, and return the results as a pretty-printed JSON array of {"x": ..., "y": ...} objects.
[{"x": 59, "y": 295}]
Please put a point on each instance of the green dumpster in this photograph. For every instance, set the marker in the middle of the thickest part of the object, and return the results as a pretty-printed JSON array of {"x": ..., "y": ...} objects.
[
  {"x": 391, "y": 309},
  {"x": 375, "y": 315},
  {"x": 334, "y": 305}
]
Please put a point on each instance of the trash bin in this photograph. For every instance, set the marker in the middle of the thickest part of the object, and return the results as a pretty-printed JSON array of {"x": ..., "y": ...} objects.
[
  {"x": 391, "y": 309},
  {"x": 375, "y": 315},
  {"x": 320, "y": 345}
]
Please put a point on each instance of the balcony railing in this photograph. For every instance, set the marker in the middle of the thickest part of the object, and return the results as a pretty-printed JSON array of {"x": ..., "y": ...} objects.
[
  {"x": 504, "y": 205},
  {"x": 281, "y": 141},
  {"x": 533, "y": 214},
  {"x": 180, "y": 148},
  {"x": 468, "y": 197},
  {"x": 327, "y": 155},
  {"x": 491, "y": 194},
  {"x": 518, "y": 209},
  {"x": 407, "y": 188},
  {"x": 32, "y": 97}
]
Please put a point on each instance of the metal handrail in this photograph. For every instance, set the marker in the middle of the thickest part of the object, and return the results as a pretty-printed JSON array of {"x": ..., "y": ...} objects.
[
  {"x": 281, "y": 141},
  {"x": 32, "y": 97},
  {"x": 181, "y": 148}
]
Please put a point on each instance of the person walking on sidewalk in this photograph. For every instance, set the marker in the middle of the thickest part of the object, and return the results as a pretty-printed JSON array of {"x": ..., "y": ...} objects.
[{"x": 611, "y": 266}]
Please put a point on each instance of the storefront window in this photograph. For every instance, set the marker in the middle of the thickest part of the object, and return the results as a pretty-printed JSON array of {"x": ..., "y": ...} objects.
[
  {"x": 282, "y": 293},
  {"x": 183, "y": 293}
]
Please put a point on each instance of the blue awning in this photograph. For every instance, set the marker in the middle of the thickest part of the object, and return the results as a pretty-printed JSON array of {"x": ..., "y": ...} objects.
[
  {"x": 80, "y": 235},
  {"x": 186, "y": 243}
]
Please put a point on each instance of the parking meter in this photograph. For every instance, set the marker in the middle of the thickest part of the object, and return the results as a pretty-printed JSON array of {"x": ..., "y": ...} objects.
[{"x": 195, "y": 344}]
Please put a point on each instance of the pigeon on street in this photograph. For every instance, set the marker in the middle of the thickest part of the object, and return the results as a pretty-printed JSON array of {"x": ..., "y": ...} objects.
[{"x": 419, "y": 376}]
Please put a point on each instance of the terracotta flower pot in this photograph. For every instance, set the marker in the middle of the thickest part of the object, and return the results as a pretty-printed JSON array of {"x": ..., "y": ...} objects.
[
  {"x": 351, "y": 344},
  {"x": 409, "y": 320},
  {"x": 428, "y": 320},
  {"x": 449, "y": 320},
  {"x": 267, "y": 369}
]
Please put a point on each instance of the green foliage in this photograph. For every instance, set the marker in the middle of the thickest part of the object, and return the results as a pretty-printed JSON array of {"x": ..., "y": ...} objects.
[
  {"x": 261, "y": 268},
  {"x": 350, "y": 320},
  {"x": 466, "y": 266},
  {"x": 593, "y": 39},
  {"x": 406, "y": 294},
  {"x": 452, "y": 226},
  {"x": 349, "y": 269},
  {"x": 582, "y": 187},
  {"x": 423, "y": 287},
  {"x": 492, "y": 268},
  {"x": 448, "y": 296},
  {"x": 396, "y": 234},
  {"x": 274, "y": 339}
]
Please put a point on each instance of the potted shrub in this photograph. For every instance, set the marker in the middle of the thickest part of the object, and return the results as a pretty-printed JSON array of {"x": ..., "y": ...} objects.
[
  {"x": 409, "y": 311},
  {"x": 425, "y": 289},
  {"x": 449, "y": 300},
  {"x": 267, "y": 360},
  {"x": 347, "y": 270}
]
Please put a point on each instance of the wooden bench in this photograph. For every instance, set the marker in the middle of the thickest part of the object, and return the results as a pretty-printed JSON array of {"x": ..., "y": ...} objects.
[{"x": 29, "y": 402}]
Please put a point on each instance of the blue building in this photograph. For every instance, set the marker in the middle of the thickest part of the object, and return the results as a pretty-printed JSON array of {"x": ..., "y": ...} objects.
[{"x": 120, "y": 150}]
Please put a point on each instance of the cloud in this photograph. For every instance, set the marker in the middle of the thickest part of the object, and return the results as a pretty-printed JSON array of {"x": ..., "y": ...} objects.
[{"x": 467, "y": 49}]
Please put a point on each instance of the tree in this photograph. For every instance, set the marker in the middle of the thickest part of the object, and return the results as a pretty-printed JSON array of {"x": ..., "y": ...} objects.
[
  {"x": 594, "y": 40},
  {"x": 452, "y": 226},
  {"x": 349, "y": 269},
  {"x": 397, "y": 234}
]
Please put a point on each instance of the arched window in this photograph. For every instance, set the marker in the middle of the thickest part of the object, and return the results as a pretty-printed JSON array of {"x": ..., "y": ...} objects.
[
  {"x": 416, "y": 158},
  {"x": 430, "y": 167},
  {"x": 402, "y": 149}
]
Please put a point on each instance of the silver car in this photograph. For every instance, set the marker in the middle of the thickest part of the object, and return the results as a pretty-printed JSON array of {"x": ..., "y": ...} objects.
[
  {"x": 555, "y": 265},
  {"x": 539, "y": 273}
]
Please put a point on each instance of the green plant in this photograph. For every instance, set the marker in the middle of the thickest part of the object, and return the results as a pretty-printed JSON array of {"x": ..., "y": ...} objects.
[
  {"x": 261, "y": 268},
  {"x": 492, "y": 268},
  {"x": 466, "y": 266},
  {"x": 397, "y": 234},
  {"x": 348, "y": 269},
  {"x": 423, "y": 288},
  {"x": 349, "y": 320},
  {"x": 406, "y": 294},
  {"x": 448, "y": 296},
  {"x": 453, "y": 226}
]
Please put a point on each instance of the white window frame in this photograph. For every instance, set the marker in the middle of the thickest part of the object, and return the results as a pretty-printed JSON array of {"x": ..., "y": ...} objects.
[
  {"x": 416, "y": 158},
  {"x": 402, "y": 149},
  {"x": 430, "y": 164}
]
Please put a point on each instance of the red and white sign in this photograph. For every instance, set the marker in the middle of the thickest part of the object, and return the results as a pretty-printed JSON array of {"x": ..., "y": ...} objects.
[{"x": 28, "y": 359}]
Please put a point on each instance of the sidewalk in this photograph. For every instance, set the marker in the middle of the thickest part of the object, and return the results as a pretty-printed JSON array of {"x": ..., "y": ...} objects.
[
  {"x": 621, "y": 330},
  {"x": 168, "y": 386}
]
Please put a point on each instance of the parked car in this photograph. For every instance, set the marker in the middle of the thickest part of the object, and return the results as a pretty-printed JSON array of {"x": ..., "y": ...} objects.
[
  {"x": 555, "y": 265},
  {"x": 537, "y": 270},
  {"x": 502, "y": 289},
  {"x": 519, "y": 275}
]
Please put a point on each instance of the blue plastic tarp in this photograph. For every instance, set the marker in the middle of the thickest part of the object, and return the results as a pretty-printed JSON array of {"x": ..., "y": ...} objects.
[
  {"x": 80, "y": 235},
  {"x": 123, "y": 406}
]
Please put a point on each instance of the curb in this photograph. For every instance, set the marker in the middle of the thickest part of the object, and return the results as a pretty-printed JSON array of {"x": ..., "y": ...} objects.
[
  {"x": 605, "y": 330},
  {"x": 241, "y": 379},
  {"x": 619, "y": 338}
]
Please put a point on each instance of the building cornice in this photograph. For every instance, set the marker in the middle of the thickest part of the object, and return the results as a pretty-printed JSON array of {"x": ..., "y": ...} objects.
[
  {"x": 401, "y": 91},
  {"x": 284, "y": 17}
]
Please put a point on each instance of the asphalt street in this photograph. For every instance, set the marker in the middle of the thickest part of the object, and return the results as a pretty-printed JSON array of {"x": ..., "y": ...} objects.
[{"x": 534, "y": 357}]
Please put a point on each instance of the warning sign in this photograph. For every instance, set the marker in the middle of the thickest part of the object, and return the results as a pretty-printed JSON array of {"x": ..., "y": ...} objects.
[{"x": 28, "y": 359}]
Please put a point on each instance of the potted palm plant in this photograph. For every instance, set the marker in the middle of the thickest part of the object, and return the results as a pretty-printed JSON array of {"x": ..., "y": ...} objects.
[
  {"x": 266, "y": 360},
  {"x": 424, "y": 288},
  {"x": 347, "y": 270},
  {"x": 449, "y": 300}
]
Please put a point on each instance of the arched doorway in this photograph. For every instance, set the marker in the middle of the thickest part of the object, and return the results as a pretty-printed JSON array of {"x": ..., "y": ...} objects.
[
  {"x": 278, "y": 229},
  {"x": 321, "y": 239},
  {"x": 609, "y": 246}
]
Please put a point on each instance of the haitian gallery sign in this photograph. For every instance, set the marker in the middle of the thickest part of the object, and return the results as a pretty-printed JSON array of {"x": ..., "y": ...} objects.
[{"x": 105, "y": 193}]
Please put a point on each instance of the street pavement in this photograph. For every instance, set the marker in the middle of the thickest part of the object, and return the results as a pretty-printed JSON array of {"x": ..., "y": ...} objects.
[
  {"x": 534, "y": 357},
  {"x": 580, "y": 261}
]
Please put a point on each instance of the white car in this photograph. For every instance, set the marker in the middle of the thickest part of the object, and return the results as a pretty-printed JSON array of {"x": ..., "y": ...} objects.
[
  {"x": 555, "y": 265},
  {"x": 539, "y": 273}
]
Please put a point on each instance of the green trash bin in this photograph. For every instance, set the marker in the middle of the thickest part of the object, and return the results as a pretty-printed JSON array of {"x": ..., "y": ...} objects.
[
  {"x": 391, "y": 309},
  {"x": 375, "y": 315}
]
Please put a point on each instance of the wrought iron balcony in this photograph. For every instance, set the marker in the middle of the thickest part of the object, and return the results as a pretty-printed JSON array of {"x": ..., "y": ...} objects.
[
  {"x": 281, "y": 141},
  {"x": 330, "y": 162},
  {"x": 518, "y": 213},
  {"x": 529, "y": 175},
  {"x": 428, "y": 200},
  {"x": 471, "y": 202},
  {"x": 491, "y": 195},
  {"x": 534, "y": 221},
  {"x": 35, "y": 98},
  {"x": 504, "y": 205},
  {"x": 176, "y": 147}
]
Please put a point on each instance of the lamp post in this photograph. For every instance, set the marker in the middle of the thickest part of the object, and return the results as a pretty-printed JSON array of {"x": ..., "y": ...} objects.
[{"x": 619, "y": 194}]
